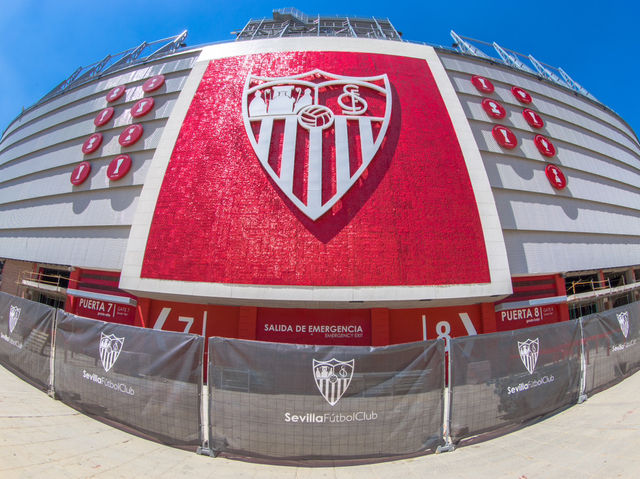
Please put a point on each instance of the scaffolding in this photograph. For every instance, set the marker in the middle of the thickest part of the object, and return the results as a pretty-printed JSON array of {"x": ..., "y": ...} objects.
[
  {"x": 291, "y": 22},
  {"x": 111, "y": 63},
  {"x": 471, "y": 46}
]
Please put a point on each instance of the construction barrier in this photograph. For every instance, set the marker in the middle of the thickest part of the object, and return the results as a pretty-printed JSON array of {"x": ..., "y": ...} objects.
[
  {"x": 505, "y": 379},
  {"x": 146, "y": 380},
  {"x": 26, "y": 335},
  {"x": 611, "y": 346},
  {"x": 290, "y": 403},
  {"x": 293, "y": 402}
]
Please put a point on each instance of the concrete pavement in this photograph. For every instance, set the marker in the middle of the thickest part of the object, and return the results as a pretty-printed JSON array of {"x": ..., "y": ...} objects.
[{"x": 41, "y": 437}]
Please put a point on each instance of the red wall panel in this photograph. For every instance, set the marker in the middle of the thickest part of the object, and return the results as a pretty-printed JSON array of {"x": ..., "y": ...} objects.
[{"x": 411, "y": 219}]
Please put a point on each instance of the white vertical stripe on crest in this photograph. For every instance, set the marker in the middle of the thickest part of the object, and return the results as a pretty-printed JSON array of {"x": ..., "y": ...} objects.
[
  {"x": 343, "y": 170},
  {"x": 529, "y": 361},
  {"x": 314, "y": 178},
  {"x": 366, "y": 139},
  {"x": 288, "y": 153},
  {"x": 332, "y": 398},
  {"x": 264, "y": 138}
]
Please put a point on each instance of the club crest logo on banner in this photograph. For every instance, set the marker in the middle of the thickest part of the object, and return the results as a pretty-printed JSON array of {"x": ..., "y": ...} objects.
[
  {"x": 623, "y": 319},
  {"x": 292, "y": 120},
  {"x": 110, "y": 347},
  {"x": 14, "y": 316},
  {"x": 333, "y": 378},
  {"x": 529, "y": 353}
]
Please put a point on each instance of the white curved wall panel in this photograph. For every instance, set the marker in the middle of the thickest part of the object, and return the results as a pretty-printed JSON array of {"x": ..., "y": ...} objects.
[
  {"x": 43, "y": 216},
  {"x": 592, "y": 223}
]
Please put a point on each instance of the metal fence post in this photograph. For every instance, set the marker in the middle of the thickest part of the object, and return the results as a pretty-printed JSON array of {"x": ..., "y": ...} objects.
[
  {"x": 205, "y": 449},
  {"x": 446, "y": 419},
  {"x": 582, "y": 397},
  {"x": 52, "y": 359}
]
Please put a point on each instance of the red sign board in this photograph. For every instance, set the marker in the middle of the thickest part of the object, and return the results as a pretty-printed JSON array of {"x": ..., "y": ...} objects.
[
  {"x": 153, "y": 83},
  {"x": 104, "y": 116},
  {"x": 105, "y": 311},
  {"x": 116, "y": 93},
  {"x": 142, "y": 107},
  {"x": 343, "y": 327},
  {"x": 556, "y": 177},
  {"x": 482, "y": 84},
  {"x": 493, "y": 108},
  {"x": 521, "y": 95},
  {"x": 533, "y": 118},
  {"x": 92, "y": 143},
  {"x": 130, "y": 135},
  {"x": 504, "y": 136},
  {"x": 80, "y": 173},
  {"x": 544, "y": 145},
  {"x": 119, "y": 167},
  {"x": 518, "y": 318}
]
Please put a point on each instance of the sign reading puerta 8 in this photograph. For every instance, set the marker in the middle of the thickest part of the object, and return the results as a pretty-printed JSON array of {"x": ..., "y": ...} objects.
[{"x": 316, "y": 168}]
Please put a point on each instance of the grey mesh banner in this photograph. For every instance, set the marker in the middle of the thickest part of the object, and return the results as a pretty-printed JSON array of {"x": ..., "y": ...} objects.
[
  {"x": 313, "y": 403},
  {"x": 611, "y": 347},
  {"x": 505, "y": 379},
  {"x": 25, "y": 338},
  {"x": 147, "y": 380}
]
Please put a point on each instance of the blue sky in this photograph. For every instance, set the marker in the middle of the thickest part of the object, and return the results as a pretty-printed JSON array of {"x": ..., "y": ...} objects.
[{"x": 594, "y": 42}]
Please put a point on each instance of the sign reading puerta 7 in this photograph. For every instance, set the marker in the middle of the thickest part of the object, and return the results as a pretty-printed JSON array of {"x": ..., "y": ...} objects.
[{"x": 320, "y": 169}]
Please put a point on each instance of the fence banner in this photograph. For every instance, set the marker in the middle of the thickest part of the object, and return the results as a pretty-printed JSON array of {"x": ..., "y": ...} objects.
[
  {"x": 611, "y": 346},
  {"x": 289, "y": 402},
  {"x": 505, "y": 379},
  {"x": 26, "y": 330},
  {"x": 147, "y": 380}
]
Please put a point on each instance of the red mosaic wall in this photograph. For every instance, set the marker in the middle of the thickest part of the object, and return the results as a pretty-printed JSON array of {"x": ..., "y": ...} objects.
[{"x": 410, "y": 220}]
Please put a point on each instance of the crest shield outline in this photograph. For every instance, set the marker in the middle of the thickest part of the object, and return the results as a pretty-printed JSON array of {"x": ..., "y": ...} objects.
[
  {"x": 273, "y": 100},
  {"x": 110, "y": 348},
  {"x": 529, "y": 353},
  {"x": 14, "y": 316},
  {"x": 623, "y": 319},
  {"x": 333, "y": 378}
]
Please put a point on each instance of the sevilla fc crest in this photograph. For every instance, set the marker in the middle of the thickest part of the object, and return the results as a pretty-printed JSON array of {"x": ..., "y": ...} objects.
[
  {"x": 332, "y": 378},
  {"x": 316, "y": 133},
  {"x": 110, "y": 347},
  {"x": 529, "y": 353},
  {"x": 14, "y": 316},
  {"x": 623, "y": 319}
]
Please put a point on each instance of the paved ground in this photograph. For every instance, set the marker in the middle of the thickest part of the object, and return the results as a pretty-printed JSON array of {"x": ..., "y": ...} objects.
[{"x": 40, "y": 437}]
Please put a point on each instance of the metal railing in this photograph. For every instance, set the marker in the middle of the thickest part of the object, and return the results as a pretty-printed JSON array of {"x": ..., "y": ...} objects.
[
  {"x": 52, "y": 283},
  {"x": 112, "y": 63},
  {"x": 472, "y": 46},
  {"x": 595, "y": 285}
]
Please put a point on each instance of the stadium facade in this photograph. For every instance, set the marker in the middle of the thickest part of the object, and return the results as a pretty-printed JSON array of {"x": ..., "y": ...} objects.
[{"x": 321, "y": 181}]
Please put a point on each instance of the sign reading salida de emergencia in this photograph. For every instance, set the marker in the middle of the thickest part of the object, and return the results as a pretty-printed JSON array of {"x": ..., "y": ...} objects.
[{"x": 345, "y": 329}]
